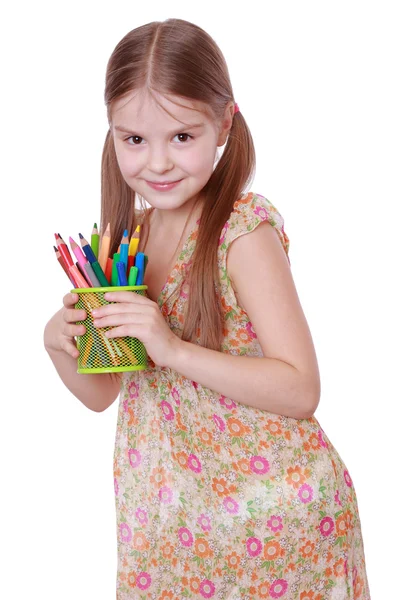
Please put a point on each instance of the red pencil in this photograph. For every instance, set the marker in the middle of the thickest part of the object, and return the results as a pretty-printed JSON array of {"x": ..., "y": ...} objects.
[
  {"x": 64, "y": 266},
  {"x": 63, "y": 248}
]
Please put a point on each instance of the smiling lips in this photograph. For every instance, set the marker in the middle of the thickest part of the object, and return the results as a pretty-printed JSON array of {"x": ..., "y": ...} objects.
[{"x": 166, "y": 185}]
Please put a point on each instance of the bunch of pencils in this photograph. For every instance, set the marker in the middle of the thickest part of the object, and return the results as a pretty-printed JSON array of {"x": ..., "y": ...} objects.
[{"x": 94, "y": 267}]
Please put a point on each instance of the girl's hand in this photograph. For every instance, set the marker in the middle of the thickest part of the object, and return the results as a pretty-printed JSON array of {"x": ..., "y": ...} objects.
[
  {"x": 136, "y": 316},
  {"x": 62, "y": 328}
]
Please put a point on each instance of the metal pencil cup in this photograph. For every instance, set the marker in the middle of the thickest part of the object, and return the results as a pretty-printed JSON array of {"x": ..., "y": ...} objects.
[{"x": 97, "y": 353}]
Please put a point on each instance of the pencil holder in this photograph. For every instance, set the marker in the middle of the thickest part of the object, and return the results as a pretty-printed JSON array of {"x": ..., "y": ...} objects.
[{"x": 97, "y": 353}]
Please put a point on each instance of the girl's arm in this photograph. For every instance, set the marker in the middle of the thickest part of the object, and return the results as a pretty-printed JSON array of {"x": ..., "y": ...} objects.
[
  {"x": 286, "y": 379},
  {"x": 97, "y": 391}
]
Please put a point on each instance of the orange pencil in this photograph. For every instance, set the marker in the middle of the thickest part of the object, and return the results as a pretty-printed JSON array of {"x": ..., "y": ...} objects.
[{"x": 105, "y": 248}]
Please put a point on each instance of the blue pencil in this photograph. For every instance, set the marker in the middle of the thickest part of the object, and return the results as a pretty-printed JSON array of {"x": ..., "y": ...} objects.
[
  {"x": 87, "y": 250},
  {"x": 122, "y": 280},
  {"x": 139, "y": 263}
]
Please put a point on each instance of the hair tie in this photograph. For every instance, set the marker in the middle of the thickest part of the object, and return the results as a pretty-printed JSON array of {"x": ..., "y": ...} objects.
[{"x": 236, "y": 108}]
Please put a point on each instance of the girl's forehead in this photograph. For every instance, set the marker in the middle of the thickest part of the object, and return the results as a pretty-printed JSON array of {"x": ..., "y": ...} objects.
[{"x": 139, "y": 106}]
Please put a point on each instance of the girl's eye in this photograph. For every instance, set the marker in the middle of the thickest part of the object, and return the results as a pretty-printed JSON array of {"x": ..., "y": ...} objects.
[
  {"x": 183, "y": 134},
  {"x": 137, "y": 139}
]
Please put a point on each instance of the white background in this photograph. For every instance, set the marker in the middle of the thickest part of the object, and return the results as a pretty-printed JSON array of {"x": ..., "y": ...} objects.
[{"x": 318, "y": 83}]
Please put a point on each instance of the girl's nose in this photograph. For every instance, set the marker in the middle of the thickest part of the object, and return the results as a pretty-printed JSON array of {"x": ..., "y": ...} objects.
[{"x": 159, "y": 160}]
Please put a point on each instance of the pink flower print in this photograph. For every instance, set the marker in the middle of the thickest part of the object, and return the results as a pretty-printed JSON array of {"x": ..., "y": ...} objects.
[
  {"x": 254, "y": 546},
  {"x": 250, "y": 330},
  {"x": 321, "y": 439},
  {"x": 337, "y": 498},
  {"x": 227, "y": 402},
  {"x": 261, "y": 212},
  {"x": 133, "y": 390},
  {"x": 143, "y": 580},
  {"x": 275, "y": 523},
  {"x": 193, "y": 463},
  {"x": 231, "y": 505},
  {"x": 259, "y": 465},
  {"x": 305, "y": 493},
  {"x": 219, "y": 422},
  {"x": 326, "y": 526},
  {"x": 347, "y": 479},
  {"x": 167, "y": 410},
  {"x": 204, "y": 522},
  {"x": 125, "y": 405},
  {"x": 125, "y": 532},
  {"x": 135, "y": 458},
  {"x": 223, "y": 233},
  {"x": 176, "y": 396},
  {"x": 165, "y": 495},
  {"x": 116, "y": 487},
  {"x": 207, "y": 588},
  {"x": 185, "y": 536},
  {"x": 278, "y": 588},
  {"x": 141, "y": 515}
]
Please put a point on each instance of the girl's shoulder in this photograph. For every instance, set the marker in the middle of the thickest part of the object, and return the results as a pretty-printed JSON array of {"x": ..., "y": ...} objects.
[{"x": 248, "y": 212}]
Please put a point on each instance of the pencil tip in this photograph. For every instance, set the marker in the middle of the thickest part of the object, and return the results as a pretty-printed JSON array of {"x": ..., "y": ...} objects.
[
  {"x": 125, "y": 232},
  {"x": 95, "y": 225},
  {"x": 81, "y": 236}
]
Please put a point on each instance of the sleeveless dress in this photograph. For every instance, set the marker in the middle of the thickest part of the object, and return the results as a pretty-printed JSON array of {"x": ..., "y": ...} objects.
[{"x": 217, "y": 499}]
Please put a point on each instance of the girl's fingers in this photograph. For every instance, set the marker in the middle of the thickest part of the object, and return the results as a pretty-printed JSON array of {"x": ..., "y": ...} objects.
[
  {"x": 115, "y": 320},
  {"x": 70, "y": 348},
  {"x": 73, "y": 330},
  {"x": 72, "y": 315},
  {"x": 130, "y": 297},
  {"x": 70, "y": 300}
]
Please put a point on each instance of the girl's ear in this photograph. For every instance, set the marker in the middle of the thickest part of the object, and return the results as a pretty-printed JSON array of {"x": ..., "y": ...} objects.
[{"x": 226, "y": 123}]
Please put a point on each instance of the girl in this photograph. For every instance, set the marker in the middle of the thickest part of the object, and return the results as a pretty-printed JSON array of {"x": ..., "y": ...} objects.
[{"x": 226, "y": 485}]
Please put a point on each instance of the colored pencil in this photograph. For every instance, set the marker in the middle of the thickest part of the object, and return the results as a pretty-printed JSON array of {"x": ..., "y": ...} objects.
[
  {"x": 114, "y": 273},
  {"x": 94, "y": 240},
  {"x": 64, "y": 251},
  {"x": 124, "y": 249},
  {"x": 80, "y": 280},
  {"x": 83, "y": 273},
  {"x": 81, "y": 258},
  {"x": 122, "y": 280},
  {"x": 64, "y": 266},
  {"x": 90, "y": 275},
  {"x": 109, "y": 269},
  {"x": 105, "y": 247},
  {"x": 100, "y": 274},
  {"x": 133, "y": 244},
  {"x": 90, "y": 255},
  {"x": 139, "y": 263},
  {"x": 133, "y": 275}
]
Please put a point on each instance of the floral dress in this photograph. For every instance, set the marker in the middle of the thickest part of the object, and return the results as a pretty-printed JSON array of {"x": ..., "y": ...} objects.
[{"x": 217, "y": 499}]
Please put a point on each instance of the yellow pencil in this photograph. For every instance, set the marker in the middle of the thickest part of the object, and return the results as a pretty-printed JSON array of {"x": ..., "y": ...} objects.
[
  {"x": 105, "y": 248},
  {"x": 133, "y": 244}
]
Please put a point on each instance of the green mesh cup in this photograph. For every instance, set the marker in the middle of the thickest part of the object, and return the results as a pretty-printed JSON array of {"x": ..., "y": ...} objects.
[{"x": 97, "y": 353}]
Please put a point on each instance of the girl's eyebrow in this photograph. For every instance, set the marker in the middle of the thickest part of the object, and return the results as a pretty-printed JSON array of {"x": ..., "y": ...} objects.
[{"x": 126, "y": 129}]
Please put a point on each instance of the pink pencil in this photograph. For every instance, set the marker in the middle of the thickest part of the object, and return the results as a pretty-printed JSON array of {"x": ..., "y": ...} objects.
[{"x": 80, "y": 257}]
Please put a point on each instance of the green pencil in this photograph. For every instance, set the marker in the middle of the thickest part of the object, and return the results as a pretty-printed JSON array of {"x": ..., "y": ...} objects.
[
  {"x": 98, "y": 271},
  {"x": 94, "y": 240}
]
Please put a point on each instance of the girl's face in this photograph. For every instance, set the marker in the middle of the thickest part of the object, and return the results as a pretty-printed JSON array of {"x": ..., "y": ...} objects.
[{"x": 152, "y": 146}]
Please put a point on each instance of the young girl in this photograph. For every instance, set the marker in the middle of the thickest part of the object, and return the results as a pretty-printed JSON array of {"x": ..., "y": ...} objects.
[{"x": 226, "y": 485}]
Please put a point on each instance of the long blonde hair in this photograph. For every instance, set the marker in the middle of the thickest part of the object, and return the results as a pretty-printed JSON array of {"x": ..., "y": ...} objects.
[{"x": 179, "y": 58}]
